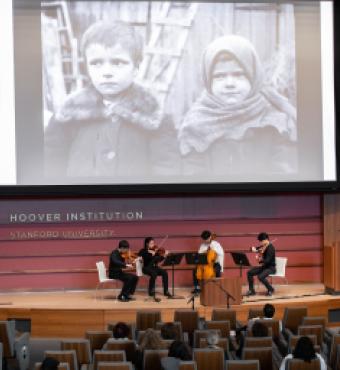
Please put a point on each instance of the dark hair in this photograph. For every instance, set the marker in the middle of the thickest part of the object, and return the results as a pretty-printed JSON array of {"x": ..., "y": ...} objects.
[
  {"x": 180, "y": 350},
  {"x": 259, "y": 329},
  {"x": 110, "y": 34},
  {"x": 123, "y": 244},
  {"x": 268, "y": 310},
  {"x": 262, "y": 236},
  {"x": 169, "y": 331},
  {"x": 147, "y": 241},
  {"x": 304, "y": 349},
  {"x": 121, "y": 330},
  {"x": 206, "y": 234},
  {"x": 49, "y": 363}
]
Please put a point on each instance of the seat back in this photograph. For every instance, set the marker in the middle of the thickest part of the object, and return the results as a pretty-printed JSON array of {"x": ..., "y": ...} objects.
[
  {"x": 255, "y": 313},
  {"x": 7, "y": 334},
  {"x": 107, "y": 356},
  {"x": 82, "y": 348},
  {"x": 187, "y": 365},
  {"x": 188, "y": 318},
  {"x": 102, "y": 365},
  {"x": 292, "y": 317},
  {"x": 207, "y": 358},
  {"x": 61, "y": 366},
  {"x": 152, "y": 358},
  {"x": 332, "y": 355},
  {"x": 315, "y": 320},
  {"x": 102, "y": 276},
  {"x": 294, "y": 338},
  {"x": 224, "y": 314},
  {"x": 97, "y": 338},
  {"x": 242, "y": 365},
  {"x": 296, "y": 364},
  {"x": 222, "y": 342},
  {"x": 199, "y": 334},
  {"x": 128, "y": 346},
  {"x": 146, "y": 319},
  {"x": 264, "y": 355},
  {"x": 223, "y": 326},
  {"x": 68, "y": 356},
  {"x": 274, "y": 324},
  {"x": 317, "y": 330},
  {"x": 258, "y": 342},
  {"x": 281, "y": 263},
  {"x": 178, "y": 328}
]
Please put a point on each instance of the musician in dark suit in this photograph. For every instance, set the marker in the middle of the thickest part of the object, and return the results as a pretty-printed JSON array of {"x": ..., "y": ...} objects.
[
  {"x": 267, "y": 266},
  {"x": 117, "y": 264}
]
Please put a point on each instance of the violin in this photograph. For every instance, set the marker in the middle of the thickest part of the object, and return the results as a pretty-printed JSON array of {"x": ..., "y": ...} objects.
[
  {"x": 159, "y": 251},
  {"x": 129, "y": 257}
]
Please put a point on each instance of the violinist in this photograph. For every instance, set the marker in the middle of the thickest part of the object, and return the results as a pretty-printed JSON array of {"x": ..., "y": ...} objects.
[
  {"x": 266, "y": 258},
  {"x": 152, "y": 256},
  {"x": 117, "y": 263},
  {"x": 208, "y": 242}
]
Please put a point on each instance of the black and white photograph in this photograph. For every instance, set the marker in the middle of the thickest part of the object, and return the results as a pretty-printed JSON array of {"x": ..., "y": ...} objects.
[{"x": 155, "y": 92}]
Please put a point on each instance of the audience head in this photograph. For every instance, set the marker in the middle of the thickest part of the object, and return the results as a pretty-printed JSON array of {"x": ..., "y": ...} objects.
[
  {"x": 121, "y": 330},
  {"x": 151, "y": 340},
  {"x": 49, "y": 363},
  {"x": 180, "y": 350},
  {"x": 259, "y": 329},
  {"x": 213, "y": 338},
  {"x": 268, "y": 310},
  {"x": 304, "y": 349},
  {"x": 169, "y": 331}
]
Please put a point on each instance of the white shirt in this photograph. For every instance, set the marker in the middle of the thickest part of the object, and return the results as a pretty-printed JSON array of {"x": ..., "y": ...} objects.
[
  {"x": 216, "y": 246},
  {"x": 322, "y": 362}
]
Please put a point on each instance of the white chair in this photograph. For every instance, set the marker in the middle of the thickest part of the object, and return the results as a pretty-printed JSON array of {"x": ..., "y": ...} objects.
[
  {"x": 103, "y": 279},
  {"x": 139, "y": 266},
  {"x": 281, "y": 263}
]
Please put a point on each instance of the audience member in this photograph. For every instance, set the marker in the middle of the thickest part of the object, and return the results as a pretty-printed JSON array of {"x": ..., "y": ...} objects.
[
  {"x": 304, "y": 350},
  {"x": 121, "y": 331},
  {"x": 258, "y": 330},
  {"x": 150, "y": 340},
  {"x": 212, "y": 340},
  {"x": 49, "y": 363},
  {"x": 178, "y": 352},
  {"x": 169, "y": 331}
]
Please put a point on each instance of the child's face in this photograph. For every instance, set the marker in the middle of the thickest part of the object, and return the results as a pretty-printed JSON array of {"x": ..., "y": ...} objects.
[
  {"x": 111, "y": 70},
  {"x": 229, "y": 82}
]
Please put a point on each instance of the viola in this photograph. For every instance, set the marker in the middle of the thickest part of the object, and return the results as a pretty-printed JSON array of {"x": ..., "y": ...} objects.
[{"x": 129, "y": 257}]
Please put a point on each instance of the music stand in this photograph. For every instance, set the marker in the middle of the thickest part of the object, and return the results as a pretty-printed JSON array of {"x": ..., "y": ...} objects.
[
  {"x": 240, "y": 259},
  {"x": 195, "y": 258},
  {"x": 173, "y": 259}
]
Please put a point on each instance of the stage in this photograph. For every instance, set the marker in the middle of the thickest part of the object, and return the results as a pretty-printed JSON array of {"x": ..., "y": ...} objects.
[{"x": 70, "y": 313}]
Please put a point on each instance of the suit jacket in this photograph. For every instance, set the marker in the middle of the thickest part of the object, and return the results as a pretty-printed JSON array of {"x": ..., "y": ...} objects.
[
  {"x": 268, "y": 257},
  {"x": 117, "y": 263}
]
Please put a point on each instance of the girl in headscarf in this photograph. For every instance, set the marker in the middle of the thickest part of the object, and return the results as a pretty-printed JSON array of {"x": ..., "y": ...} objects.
[{"x": 238, "y": 125}]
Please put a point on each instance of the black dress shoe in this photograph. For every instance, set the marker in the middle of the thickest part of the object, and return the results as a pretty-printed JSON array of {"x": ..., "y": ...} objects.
[
  {"x": 270, "y": 293},
  {"x": 168, "y": 294},
  {"x": 250, "y": 292},
  {"x": 123, "y": 298}
]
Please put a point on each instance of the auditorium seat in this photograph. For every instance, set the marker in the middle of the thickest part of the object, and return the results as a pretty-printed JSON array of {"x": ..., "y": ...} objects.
[
  {"x": 258, "y": 342},
  {"x": 82, "y": 348},
  {"x": 146, "y": 319},
  {"x": 69, "y": 356},
  {"x": 223, "y": 326},
  {"x": 187, "y": 365},
  {"x": 129, "y": 346},
  {"x": 222, "y": 342},
  {"x": 14, "y": 345},
  {"x": 254, "y": 313},
  {"x": 106, "y": 356},
  {"x": 294, "y": 338},
  {"x": 122, "y": 365},
  {"x": 242, "y": 365},
  {"x": 208, "y": 358},
  {"x": 61, "y": 366},
  {"x": 97, "y": 338},
  {"x": 292, "y": 319},
  {"x": 189, "y": 320},
  {"x": 315, "y": 320},
  {"x": 297, "y": 364},
  {"x": 199, "y": 334},
  {"x": 177, "y": 327},
  {"x": 317, "y": 330},
  {"x": 264, "y": 355},
  {"x": 333, "y": 351},
  {"x": 225, "y": 314},
  {"x": 152, "y": 358}
]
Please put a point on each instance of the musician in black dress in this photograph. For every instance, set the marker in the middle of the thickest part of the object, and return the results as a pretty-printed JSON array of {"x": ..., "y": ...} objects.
[
  {"x": 267, "y": 266},
  {"x": 117, "y": 264},
  {"x": 151, "y": 258}
]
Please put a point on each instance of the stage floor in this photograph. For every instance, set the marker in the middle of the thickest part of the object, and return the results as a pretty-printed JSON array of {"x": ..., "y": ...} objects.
[{"x": 70, "y": 313}]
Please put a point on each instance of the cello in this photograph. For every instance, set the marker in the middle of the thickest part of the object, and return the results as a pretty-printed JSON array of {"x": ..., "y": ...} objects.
[{"x": 207, "y": 271}]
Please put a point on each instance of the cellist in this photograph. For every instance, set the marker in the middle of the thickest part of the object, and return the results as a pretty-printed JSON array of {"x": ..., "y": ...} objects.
[{"x": 208, "y": 243}]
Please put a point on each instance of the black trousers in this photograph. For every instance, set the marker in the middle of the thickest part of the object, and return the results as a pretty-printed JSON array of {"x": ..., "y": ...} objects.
[
  {"x": 153, "y": 272},
  {"x": 217, "y": 269},
  {"x": 129, "y": 282},
  {"x": 261, "y": 272}
]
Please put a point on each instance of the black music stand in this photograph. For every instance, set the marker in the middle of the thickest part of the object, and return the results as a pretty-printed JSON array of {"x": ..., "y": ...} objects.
[
  {"x": 172, "y": 260},
  {"x": 194, "y": 258},
  {"x": 240, "y": 259}
]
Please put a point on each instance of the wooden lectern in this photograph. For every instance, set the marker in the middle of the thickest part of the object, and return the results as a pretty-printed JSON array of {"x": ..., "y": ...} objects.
[
  {"x": 214, "y": 292},
  {"x": 331, "y": 269}
]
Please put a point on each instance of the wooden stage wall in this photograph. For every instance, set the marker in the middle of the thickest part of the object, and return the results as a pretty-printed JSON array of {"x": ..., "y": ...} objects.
[{"x": 56, "y": 252}]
